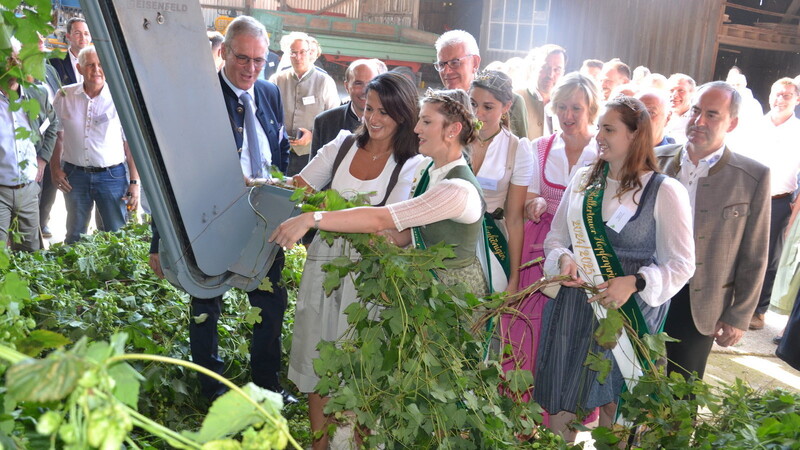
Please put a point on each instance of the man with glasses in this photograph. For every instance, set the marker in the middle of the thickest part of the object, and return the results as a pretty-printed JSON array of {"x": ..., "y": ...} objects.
[
  {"x": 306, "y": 91},
  {"x": 256, "y": 116},
  {"x": 458, "y": 59},
  {"x": 547, "y": 62}
]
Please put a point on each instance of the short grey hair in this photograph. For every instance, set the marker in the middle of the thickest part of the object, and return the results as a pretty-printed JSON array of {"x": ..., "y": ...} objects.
[
  {"x": 84, "y": 54},
  {"x": 455, "y": 37},
  {"x": 245, "y": 25},
  {"x": 659, "y": 94},
  {"x": 289, "y": 39},
  {"x": 375, "y": 64},
  {"x": 736, "y": 98}
]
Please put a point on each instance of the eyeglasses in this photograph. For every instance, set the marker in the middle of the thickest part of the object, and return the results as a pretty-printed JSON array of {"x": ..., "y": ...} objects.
[
  {"x": 298, "y": 53},
  {"x": 244, "y": 60},
  {"x": 453, "y": 64}
]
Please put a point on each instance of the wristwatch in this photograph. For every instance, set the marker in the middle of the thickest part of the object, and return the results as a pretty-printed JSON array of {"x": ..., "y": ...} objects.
[
  {"x": 641, "y": 283},
  {"x": 317, "y": 218},
  {"x": 134, "y": 181}
]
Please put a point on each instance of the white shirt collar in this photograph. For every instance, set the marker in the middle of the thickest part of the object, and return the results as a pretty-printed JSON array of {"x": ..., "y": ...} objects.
[
  {"x": 711, "y": 159},
  {"x": 236, "y": 90},
  {"x": 438, "y": 174}
]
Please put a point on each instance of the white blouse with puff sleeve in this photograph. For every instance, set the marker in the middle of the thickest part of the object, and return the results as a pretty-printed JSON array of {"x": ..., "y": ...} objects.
[{"x": 674, "y": 256}]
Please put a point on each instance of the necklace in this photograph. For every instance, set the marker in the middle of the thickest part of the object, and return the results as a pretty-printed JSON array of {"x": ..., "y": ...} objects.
[
  {"x": 375, "y": 157},
  {"x": 484, "y": 141}
]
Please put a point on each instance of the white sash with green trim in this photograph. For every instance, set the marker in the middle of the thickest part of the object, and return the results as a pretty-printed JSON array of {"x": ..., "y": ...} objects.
[{"x": 596, "y": 260}]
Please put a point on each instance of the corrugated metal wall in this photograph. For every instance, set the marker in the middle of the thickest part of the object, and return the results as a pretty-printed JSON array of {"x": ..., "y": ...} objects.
[
  {"x": 667, "y": 36},
  {"x": 349, "y": 8}
]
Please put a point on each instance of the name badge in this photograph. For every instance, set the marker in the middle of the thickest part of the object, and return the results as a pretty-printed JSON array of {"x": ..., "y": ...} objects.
[
  {"x": 43, "y": 127},
  {"x": 271, "y": 64},
  {"x": 487, "y": 183},
  {"x": 310, "y": 100},
  {"x": 620, "y": 218}
]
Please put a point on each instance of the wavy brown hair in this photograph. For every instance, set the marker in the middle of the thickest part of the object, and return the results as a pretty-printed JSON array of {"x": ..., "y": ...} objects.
[
  {"x": 641, "y": 157},
  {"x": 398, "y": 97}
]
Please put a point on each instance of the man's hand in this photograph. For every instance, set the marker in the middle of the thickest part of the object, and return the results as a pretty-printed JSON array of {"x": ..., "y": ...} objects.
[
  {"x": 59, "y": 178},
  {"x": 155, "y": 264},
  {"x": 726, "y": 335},
  {"x": 41, "y": 165},
  {"x": 302, "y": 140},
  {"x": 132, "y": 197}
]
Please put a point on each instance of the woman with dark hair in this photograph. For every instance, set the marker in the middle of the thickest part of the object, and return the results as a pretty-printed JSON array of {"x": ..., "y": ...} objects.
[
  {"x": 447, "y": 204},
  {"x": 380, "y": 157},
  {"x": 503, "y": 167},
  {"x": 627, "y": 230}
]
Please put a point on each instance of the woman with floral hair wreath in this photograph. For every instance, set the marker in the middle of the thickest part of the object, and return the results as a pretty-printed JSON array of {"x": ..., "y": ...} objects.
[
  {"x": 447, "y": 205},
  {"x": 626, "y": 230}
]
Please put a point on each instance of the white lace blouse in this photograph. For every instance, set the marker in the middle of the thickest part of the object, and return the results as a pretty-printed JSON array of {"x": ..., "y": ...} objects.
[{"x": 455, "y": 199}]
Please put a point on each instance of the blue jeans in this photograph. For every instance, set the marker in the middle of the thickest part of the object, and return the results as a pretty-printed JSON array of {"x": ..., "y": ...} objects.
[{"x": 106, "y": 189}]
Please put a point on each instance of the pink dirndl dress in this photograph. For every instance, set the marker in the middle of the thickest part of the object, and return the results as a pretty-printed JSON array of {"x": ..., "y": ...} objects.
[{"x": 522, "y": 329}]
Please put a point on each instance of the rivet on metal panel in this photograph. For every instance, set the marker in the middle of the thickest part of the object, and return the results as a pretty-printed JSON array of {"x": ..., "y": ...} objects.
[
  {"x": 159, "y": 18},
  {"x": 146, "y": 24},
  {"x": 214, "y": 210},
  {"x": 203, "y": 218}
]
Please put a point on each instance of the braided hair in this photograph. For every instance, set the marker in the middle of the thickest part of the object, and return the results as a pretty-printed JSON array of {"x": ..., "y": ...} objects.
[{"x": 454, "y": 105}]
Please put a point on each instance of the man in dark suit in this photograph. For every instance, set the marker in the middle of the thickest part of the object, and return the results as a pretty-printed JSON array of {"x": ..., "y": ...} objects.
[
  {"x": 328, "y": 124},
  {"x": 730, "y": 196},
  {"x": 79, "y": 37},
  {"x": 264, "y": 145}
]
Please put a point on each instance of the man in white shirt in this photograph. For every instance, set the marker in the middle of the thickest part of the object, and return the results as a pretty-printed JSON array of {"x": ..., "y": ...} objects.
[
  {"x": 88, "y": 161},
  {"x": 775, "y": 144},
  {"x": 681, "y": 89},
  {"x": 306, "y": 91},
  {"x": 78, "y": 37}
]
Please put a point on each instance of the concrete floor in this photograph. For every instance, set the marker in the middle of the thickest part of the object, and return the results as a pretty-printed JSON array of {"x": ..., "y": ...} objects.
[{"x": 753, "y": 360}]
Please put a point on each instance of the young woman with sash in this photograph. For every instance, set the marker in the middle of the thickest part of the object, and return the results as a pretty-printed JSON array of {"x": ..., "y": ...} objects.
[
  {"x": 556, "y": 160},
  {"x": 626, "y": 229},
  {"x": 380, "y": 157},
  {"x": 503, "y": 166},
  {"x": 447, "y": 205}
]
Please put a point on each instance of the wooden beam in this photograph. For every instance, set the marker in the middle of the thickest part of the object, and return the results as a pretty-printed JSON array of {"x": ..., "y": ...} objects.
[
  {"x": 790, "y": 11},
  {"x": 785, "y": 15},
  {"x": 762, "y": 45},
  {"x": 330, "y": 7}
]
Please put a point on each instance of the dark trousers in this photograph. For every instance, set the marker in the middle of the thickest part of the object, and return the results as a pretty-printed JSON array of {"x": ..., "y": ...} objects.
[
  {"x": 46, "y": 198},
  {"x": 296, "y": 164},
  {"x": 265, "y": 348},
  {"x": 778, "y": 220},
  {"x": 691, "y": 353}
]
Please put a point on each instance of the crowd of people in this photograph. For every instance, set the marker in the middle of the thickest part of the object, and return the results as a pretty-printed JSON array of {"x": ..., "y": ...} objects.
[{"x": 649, "y": 194}]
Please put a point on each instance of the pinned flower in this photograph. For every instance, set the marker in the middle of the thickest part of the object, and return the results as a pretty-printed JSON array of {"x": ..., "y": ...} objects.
[{"x": 477, "y": 124}]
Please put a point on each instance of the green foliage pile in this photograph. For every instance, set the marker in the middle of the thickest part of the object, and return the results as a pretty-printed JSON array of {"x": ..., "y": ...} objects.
[
  {"x": 102, "y": 286},
  {"x": 410, "y": 369}
]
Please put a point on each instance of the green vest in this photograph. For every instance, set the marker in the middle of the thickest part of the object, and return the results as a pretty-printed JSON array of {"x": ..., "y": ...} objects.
[{"x": 463, "y": 235}]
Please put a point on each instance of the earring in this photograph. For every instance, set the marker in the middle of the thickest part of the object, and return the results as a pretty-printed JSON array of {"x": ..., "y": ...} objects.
[{"x": 451, "y": 136}]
